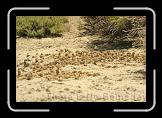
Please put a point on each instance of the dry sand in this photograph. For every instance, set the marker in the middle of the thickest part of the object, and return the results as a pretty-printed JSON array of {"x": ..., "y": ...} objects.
[{"x": 64, "y": 69}]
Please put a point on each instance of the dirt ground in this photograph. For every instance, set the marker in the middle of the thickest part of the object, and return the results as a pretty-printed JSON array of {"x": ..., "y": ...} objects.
[{"x": 64, "y": 69}]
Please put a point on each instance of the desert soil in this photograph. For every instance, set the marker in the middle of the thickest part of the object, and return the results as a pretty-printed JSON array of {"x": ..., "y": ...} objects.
[{"x": 65, "y": 69}]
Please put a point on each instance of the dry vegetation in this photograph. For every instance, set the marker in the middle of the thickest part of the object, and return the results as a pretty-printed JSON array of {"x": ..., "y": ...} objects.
[{"x": 66, "y": 69}]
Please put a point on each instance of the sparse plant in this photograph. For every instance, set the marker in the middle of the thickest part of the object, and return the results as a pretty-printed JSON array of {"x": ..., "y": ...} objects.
[
  {"x": 40, "y": 26},
  {"x": 117, "y": 29}
]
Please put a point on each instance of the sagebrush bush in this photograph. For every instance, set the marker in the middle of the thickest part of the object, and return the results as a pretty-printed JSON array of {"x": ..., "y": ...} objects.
[
  {"x": 39, "y": 26},
  {"x": 115, "y": 28}
]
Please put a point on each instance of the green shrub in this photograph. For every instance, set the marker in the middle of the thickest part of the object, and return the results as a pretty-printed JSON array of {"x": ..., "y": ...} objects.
[
  {"x": 107, "y": 25},
  {"x": 116, "y": 28},
  {"x": 39, "y": 26}
]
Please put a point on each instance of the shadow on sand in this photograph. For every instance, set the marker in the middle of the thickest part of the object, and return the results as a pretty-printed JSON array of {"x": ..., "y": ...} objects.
[{"x": 105, "y": 44}]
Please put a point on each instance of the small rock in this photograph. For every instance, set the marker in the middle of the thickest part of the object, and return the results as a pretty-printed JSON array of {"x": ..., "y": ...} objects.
[
  {"x": 47, "y": 90},
  {"x": 119, "y": 79},
  {"x": 19, "y": 72},
  {"x": 40, "y": 74},
  {"x": 29, "y": 92},
  {"x": 26, "y": 63},
  {"x": 73, "y": 92},
  {"x": 29, "y": 76},
  {"x": 96, "y": 74},
  {"x": 114, "y": 66},
  {"x": 76, "y": 78},
  {"x": 105, "y": 78},
  {"x": 66, "y": 89},
  {"x": 108, "y": 66},
  {"x": 79, "y": 91},
  {"x": 38, "y": 90},
  {"x": 27, "y": 55}
]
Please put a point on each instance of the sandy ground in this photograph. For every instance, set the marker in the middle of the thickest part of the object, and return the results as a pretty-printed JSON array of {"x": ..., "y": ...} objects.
[{"x": 64, "y": 69}]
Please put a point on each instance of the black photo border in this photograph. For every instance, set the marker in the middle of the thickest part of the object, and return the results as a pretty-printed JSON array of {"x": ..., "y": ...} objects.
[{"x": 80, "y": 106}]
